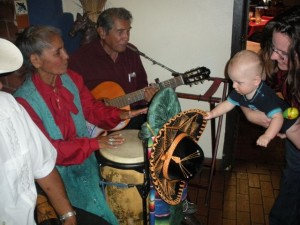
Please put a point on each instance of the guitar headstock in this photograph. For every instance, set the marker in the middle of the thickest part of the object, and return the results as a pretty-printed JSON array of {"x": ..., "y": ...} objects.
[{"x": 196, "y": 75}]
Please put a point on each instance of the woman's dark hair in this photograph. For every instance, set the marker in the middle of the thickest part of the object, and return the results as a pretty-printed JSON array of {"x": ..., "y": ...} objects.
[
  {"x": 266, "y": 49},
  {"x": 289, "y": 24},
  {"x": 107, "y": 17},
  {"x": 33, "y": 40}
]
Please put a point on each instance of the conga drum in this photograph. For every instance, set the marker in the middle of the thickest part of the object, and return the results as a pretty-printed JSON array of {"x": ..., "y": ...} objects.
[{"x": 123, "y": 178}]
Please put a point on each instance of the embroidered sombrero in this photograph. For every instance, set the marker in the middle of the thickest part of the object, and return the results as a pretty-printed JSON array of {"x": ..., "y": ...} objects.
[{"x": 175, "y": 156}]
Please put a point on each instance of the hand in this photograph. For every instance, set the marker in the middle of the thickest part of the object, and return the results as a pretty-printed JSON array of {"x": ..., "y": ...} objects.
[
  {"x": 150, "y": 92},
  {"x": 110, "y": 141},
  {"x": 132, "y": 113},
  {"x": 282, "y": 136},
  {"x": 208, "y": 116},
  {"x": 263, "y": 140}
]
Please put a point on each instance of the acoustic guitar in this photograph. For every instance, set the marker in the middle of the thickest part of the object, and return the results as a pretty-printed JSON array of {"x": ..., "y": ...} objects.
[{"x": 113, "y": 95}]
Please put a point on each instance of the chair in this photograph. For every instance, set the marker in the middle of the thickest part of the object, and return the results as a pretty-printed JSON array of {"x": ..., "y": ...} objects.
[
  {"x": 209, "y": 96},
  {"x": 50, "y": 12}
]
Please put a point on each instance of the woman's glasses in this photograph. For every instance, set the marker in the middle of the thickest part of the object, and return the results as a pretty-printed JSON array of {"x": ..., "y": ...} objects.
[{"x": 283, "y": 55}]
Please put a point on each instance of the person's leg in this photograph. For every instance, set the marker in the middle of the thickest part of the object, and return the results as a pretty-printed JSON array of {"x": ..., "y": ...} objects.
[
  {"x": 84, "y": 217},
  {"x": 286, "y": 209}
]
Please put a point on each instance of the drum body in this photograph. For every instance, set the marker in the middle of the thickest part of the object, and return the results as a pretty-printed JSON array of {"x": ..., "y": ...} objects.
[{"x": 122, "y": 174}]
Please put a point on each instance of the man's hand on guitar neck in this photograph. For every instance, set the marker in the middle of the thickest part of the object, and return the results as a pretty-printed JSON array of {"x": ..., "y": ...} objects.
[
  {"x": 149, "y": 92},
  {"x": 125, "y": 115}
]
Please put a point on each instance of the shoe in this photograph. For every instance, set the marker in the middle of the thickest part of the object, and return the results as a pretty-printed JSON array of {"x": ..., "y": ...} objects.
[
  {"x": 189, "y": 207},
  {"x": 190, "y": 220}
]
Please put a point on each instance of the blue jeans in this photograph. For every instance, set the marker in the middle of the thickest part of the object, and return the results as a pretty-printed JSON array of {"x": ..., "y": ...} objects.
[{"x": 286, "y": 209}]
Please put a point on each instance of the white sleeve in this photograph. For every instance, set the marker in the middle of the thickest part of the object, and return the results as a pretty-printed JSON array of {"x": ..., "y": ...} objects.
[
  {"x": 22, "y": 145},
  {"x": 42, "y": 152}
]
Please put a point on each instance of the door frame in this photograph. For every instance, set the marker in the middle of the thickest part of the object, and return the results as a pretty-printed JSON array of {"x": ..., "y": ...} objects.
[{"x": 238, "y": 43}]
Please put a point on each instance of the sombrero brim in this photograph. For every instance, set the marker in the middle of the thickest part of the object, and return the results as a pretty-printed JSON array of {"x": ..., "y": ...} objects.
[
  {"x": 190, "y": 122},
  {"x": 11, "y": 58}
]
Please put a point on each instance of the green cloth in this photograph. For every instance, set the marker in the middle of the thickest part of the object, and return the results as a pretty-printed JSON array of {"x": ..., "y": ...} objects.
[
  {"x": 81, "y": 181},
  {"x": 163, "y": 107}
]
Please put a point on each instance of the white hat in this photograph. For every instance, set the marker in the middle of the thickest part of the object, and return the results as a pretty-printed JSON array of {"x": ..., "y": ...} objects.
[{"x": 11, "y": 58}]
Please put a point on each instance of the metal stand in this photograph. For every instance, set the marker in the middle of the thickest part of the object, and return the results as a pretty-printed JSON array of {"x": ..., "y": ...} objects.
[{"x": 215, "y": 134}]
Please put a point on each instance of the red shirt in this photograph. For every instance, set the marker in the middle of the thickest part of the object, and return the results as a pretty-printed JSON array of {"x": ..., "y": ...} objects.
[{"x": 72, "y": 149}]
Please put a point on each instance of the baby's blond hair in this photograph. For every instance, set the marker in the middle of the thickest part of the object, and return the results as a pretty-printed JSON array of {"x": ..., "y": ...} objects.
[{"x": 247, "y": 63}]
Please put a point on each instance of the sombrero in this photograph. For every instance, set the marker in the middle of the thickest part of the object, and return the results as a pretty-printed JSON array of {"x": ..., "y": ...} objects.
[
  {"x": 11, "y": 58},
  {"x": 175, "y": 156}
]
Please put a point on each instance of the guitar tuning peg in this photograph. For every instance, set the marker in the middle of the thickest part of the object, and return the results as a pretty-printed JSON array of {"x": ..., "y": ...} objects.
[{"x": 157, "y": 80}]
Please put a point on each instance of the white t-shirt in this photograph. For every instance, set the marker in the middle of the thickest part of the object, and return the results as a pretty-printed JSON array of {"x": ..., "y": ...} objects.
[{"x": 25, "y": 155}]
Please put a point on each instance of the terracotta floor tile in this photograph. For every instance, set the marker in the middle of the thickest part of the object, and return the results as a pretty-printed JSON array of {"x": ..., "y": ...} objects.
[
  {"x": 266, "y": 189},
  {"x": 230, "y": 179},
  {"x": 255, "y": 196},
  {"x": 242, "y": 175},
  {"x": 267, "y": 204},
  {"x": 230, "y": 193},
  {"x": 257, "y": 213},
  {"x": 229, "y": 210},
  {"x": 243, "y": 203},
  {"x": 216, "y": 201},
  {"x": 242, "y": 187},
  {"x": 229, "y": 222},
  {"x": 218, "y": 182},
  {"x": 264, "y": 177},
  {"x": 243, "y": 218},
  {"x": 215, "y": 217},
  {"x": 254, "y": 180}
]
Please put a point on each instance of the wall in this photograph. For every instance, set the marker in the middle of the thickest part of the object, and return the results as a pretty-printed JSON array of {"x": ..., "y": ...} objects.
[{"x": 181, "y": 35}]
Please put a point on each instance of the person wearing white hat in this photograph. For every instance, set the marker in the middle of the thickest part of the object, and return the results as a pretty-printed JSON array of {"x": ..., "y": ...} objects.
[{"x": 26, "y": 156}]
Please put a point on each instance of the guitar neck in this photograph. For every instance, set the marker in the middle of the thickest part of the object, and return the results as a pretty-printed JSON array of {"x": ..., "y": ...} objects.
[{"x": 139, "y": 95}]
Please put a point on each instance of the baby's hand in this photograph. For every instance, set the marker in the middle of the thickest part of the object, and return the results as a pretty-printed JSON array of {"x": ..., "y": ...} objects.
[
  {"x": 282, "y": 136},
  {"x": 208, "y": 116},
  {"x": 263, "y": 140}
]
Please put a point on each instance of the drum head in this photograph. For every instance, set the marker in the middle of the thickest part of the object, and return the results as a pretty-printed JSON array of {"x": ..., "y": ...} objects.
[{"x": 130, "y": 152}]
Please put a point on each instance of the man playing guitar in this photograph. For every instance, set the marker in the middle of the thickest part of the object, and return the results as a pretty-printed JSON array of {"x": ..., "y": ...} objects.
[{"x": 109, "y": 59}]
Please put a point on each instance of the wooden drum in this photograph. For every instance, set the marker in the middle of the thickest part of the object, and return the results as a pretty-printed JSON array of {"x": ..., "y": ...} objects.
[{"x": 122, "y": 173}]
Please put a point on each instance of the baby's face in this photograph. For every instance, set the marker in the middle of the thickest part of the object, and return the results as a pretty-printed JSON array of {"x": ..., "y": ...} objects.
[{"x": 243, "y": 82}]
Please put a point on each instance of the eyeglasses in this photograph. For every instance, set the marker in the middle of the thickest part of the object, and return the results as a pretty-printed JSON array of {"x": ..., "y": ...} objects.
[{"x": 283, "y": 55}]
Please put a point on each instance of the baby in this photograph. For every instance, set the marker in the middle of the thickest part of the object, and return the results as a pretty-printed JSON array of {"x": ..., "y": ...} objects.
[{"x": 245, "y": 70}]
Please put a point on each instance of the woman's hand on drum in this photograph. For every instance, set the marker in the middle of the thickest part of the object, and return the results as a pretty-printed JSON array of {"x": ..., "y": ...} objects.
[
  {"x": 110, "y": 141},
  {"x": 125, "y": 115}
]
